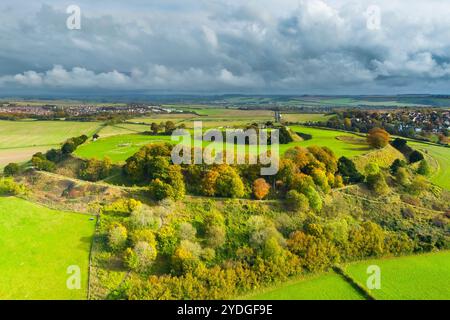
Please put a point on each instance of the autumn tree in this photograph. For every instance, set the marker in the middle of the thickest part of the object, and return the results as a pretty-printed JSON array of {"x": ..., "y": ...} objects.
[
  {"x": 378, "y": 138},
  {"x": 141, "y": 256},
  {"x": 117, "y": 236},
  {"x": 260, "y": 188}
]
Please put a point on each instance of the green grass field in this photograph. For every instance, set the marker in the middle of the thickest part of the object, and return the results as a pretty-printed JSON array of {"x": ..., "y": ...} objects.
[
  {"x": 323, "y": 137},
  {"x": 329, "y": 286},
  {"x": 441, "y": 175},
  {"x": 414, "y": 277},
  {"x": 37, "y": 245},
  {"x": 120, "y": 147}
]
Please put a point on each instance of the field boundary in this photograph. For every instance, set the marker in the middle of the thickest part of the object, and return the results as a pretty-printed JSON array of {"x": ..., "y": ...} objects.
[{"x": 358, "y": 287}]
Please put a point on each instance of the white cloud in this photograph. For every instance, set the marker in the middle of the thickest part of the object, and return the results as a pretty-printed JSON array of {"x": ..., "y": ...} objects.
[{"x": 221, "y": 46}]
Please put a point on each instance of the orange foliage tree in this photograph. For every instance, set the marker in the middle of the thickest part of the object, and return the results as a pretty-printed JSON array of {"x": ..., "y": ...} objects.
[{"x": 260, "y": 188}]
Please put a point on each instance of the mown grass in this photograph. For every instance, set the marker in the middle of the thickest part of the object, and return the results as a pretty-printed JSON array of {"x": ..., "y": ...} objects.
[
  {"x": 119, "y": 148},
  {"x": 329, "y": 286},
  {"x": 329, "y": 138},
  {"x": 37, "y": 245},
  {"x": 414, "y": 277},
  {"x": 441, "y": 174}
]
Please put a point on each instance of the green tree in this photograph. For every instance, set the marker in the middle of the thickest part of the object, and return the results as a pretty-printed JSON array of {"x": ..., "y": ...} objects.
[
  {"x": 297, "y": 201},
  {"x": 314, "y": 199},
  {"x": 347, "y": 170},
  {"x": 11, "y": 169},
  {"x": 169, "y": 127},
  {"x": 154, "y": 127}
]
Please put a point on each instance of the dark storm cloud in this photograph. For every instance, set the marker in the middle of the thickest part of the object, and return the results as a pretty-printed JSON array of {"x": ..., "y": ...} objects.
[{"x": 308, "y": 46}]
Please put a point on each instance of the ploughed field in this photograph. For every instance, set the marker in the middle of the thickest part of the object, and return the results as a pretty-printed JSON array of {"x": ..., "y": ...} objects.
[{"x": 37, "y": 246}]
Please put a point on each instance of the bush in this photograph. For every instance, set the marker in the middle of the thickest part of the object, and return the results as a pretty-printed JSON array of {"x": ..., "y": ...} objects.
[
  {"x": 117, "y": 236},
  {"x": 95, "y": 170},
  {"x": 297, "y": 201},
  {"x": 41, "y": 163},
  {"x": 141, "y": 256},
  {"x": 402, "y": 176},
  {"x": 396, "y": 165},
  {"x": 377, "y": 183},
  {"x": 8, "y": 187},
  {"x": 160, "y": 190},
  {"x": 11, "y": 169},
  {"x": 424, "y": 169}
]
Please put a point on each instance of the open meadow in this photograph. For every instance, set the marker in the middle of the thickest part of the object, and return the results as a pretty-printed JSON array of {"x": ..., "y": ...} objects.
[
  {"x": 329, "y": 286},
  {"x": 424, "y": 276},
  {"x": 120, "y": 147},
  {"x": 37, "y": 245},
  {"x": 440, "y": 162}
]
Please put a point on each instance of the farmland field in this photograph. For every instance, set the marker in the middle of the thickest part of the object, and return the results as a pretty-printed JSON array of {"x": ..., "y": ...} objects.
[
  {"x": 37, "y": 245},
  {"x": 329, "y": 286},
  {"x": 414, "y": 277},
  {"x": 15, "y": 134},
  {"x": 19, "y": 140},
  {"x": 304, "y": 117}
]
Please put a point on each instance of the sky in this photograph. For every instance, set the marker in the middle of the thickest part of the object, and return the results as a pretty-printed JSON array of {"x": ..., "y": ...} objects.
[{"x": 218, "y": 46}]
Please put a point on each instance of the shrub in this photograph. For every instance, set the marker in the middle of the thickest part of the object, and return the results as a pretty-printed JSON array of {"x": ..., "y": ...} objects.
[
  {"x": 418, "y": 185},
  {"x": 11, "y": 169},
  {"x": 424, "y": 169},
  {"x": 141, "y": 256},
  {"x": 297, "y": 201},
  {"x": 117, "y": 236},
  {"x": 95, "y": 170},
  {"x": 377, "y": 183},
  {"x": 402, "y": 176},
  {"x": 41, "y": 163},
  {"x": 396, "y": 165},
  {"x": 186, "y": 231},
  {"x": 8, "y": 187},
  {"x": 160, "y": 190}
]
